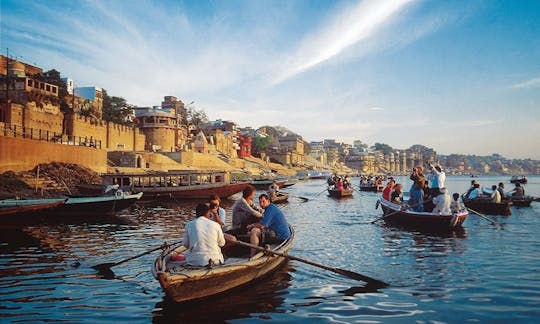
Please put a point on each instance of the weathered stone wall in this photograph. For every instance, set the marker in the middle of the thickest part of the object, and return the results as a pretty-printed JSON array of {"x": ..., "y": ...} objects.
[
  {"x": 124, "y": 138},
  {"x": 18, "y": 154},
  {"x": 161, "y": 136}
]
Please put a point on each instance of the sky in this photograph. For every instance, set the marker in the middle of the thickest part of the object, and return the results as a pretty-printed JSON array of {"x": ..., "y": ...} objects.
[{"x": 457, "y": 76}]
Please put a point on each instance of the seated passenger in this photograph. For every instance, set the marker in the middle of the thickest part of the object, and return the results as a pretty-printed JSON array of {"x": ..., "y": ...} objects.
[
  {"x": 397, "y": 195},
  {"x": 518, "y": 190},
  {"x": 388, "y": 189},
  {"x": 455, "y": 205},
  {"x": 475, "y": 192},
  {"x": 244, "y": 211},
  {"x": 495, "y": 195},
  {"x": 273, "y": 227}
]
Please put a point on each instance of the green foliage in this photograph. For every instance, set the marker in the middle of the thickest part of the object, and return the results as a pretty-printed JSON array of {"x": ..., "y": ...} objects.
[
  {"x": 116, "y": 109},
  {"x": 260, "y": 143},
  {"x": 385, "y": 148}
]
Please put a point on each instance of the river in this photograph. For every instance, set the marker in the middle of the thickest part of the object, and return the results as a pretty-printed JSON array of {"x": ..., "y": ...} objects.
[{"x": 479, "y": 274}]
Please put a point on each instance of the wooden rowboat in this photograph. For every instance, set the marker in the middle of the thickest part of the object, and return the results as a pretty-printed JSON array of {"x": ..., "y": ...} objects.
[
  {"x": 340, "y": 193},
  {"x": 486, "y": 206},
  {"x": 280, "y": 198},
  {"x": 183, "y": 283},
  {"x": 394, "y": 214}
]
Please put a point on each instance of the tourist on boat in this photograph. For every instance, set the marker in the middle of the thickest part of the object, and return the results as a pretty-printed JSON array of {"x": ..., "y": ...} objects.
[
  {"x": 273, "y": 190},
  {"x": 397, "y": 195},
  {"x": 501, "y": 191},
  {"x": 495, "y": 195},
  {"x": 346, "y": 182},
  {"x": 221, "y": 213},
  {"x": 388, "y": 189},
  {"x": 339, "y": 185},
  {"x": 416, "y": 191},
  {"x": 244, "y": 211},
  {"x": 518, "y": 190},
  {"x": 475, "y": 192},
  {"x": 273, "y": 228},
  {"x": 437, "y": 180},
  {"x": 214, "y": 214},
  {"x": 442, "y": 202},
  {"x": 203, "y": 239},
  {"x": 331, "y": 181},
  {"x": 455, "y": 205}
]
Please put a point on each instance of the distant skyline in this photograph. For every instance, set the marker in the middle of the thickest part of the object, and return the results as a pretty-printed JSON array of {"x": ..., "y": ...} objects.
[{"x": 457, "y": 76}]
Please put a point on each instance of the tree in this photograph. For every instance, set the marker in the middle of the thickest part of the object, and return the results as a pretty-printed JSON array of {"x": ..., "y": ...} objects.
[
  {"x": 195, "y": 117},
  {"x": 116, "y": 109},
  {"x": 260, "y": 143},
  {"x": 385, "y": 148}
]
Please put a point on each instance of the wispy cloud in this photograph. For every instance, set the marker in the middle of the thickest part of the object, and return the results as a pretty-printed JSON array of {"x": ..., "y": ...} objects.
[
  {"x": 532, "y": 83},
  {"x": 479, "y": 122},
  {"x": 353, "y": 25}
]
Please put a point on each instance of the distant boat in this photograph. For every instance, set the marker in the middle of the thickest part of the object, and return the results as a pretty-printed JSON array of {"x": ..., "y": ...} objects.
[
  {"x": 172, "y": 184},
  {"x": 340, "y": 193},
  {"x": 265, "y": 183},
  {"x": 486, "y": 206},
  {"x": 518, "y": 179},
  {"x": 371, "y": 187}
]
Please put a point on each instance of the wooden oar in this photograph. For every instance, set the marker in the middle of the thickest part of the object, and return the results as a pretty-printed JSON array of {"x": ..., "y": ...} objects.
[
  {"x": 398, "y": 211},
  {"x": 299, "y": 197},
  {"x": 322, "y": 192},
  {"x": 347, "y": 273},
  {"x": 484, "y": 217},
  {"x": 106, "y": 267}
]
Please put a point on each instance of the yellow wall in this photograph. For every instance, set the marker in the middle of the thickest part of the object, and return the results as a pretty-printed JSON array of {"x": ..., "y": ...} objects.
[{"x": 18, "y": 154}]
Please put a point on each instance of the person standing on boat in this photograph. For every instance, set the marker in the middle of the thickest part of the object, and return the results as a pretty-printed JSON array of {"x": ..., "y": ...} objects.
[
  {"x": 203, "y": 239},
  {"x": 416, "y": 191},
  {"x": 221, "y": 213},
  {"x": 388, "y": 189},
  {"x": 501, "y": 191},
  {"x": 437, "y": 180},
  {"x": 244, "y": 211},
  {"x": 273, "y": 228}
]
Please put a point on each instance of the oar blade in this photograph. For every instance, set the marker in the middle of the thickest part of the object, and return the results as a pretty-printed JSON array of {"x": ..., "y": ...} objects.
[{"x": 361, "y": 277}]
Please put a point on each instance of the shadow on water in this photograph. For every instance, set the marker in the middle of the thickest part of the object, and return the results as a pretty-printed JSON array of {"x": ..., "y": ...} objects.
[{"x": 263, "y": 298}]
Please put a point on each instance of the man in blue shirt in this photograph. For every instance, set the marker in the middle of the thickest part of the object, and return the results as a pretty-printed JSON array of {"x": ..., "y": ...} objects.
[{"x": 273, "y": 227}]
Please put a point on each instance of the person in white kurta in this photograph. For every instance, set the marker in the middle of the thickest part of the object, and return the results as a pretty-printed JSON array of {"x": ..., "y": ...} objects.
[{"x": 203, "y": 239}]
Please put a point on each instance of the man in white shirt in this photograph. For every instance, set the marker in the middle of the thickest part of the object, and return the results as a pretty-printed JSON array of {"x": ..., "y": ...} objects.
[
  {"x": 442, "y": 203},
  {"x": 438, "y": 179},
  {"x": 495, "y": 195},
  {"x": 203, "y": 239}
]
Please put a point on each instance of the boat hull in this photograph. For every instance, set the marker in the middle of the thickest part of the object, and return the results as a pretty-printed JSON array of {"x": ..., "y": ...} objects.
[
  {"x": 28, "y": 207},
  {"x": 340, "y": 193},
  {"x": 198, "y": 283},
  {"x": 264, "y": 184},
  {"x": 522, "y": 201},
  {"x": 371, "y": 188},
  {"x": 202, "y": 191},
  {"x": 486, "y": 206},
  {"x": 421, "y": 220},
  {"x": 96, "y": 206}
]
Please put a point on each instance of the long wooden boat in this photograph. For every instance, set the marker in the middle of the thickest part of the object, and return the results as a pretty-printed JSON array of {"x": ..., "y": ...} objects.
[
  {"x": 182, "y": 283},
  {"x": 264, "y": 184},
  {"x": 420, "y": 220},
  {"x": 96, "y": 206},
  {"x": 371, "y": 187},
  {"x": 524, "y": 201},
  {"x": 280, "y": 198},
  {"x": 340, "y": 193},
  {"x": 486, "y": 206},
  {"x": 20, "y": 207},
  {"x": 173, "y": 184},
  {"x": 518, "y": 179}
]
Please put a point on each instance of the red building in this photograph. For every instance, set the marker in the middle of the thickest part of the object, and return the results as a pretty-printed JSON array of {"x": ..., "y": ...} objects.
[{"x": 245, "y": 146}]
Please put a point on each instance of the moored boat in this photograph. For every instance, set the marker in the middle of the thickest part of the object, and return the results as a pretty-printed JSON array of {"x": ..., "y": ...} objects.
[
  {"x": 265, "y": 183},
  {"x": 183, "y": 283},
  {"x": 96, "y": 206},
  {"x": 173, "y": 184},
  {"x": 340, "y": 193},
  {"x": 486, "y": 206},
  {"x": 395, "y": 214},
  {"x": 21, "y": 207}
]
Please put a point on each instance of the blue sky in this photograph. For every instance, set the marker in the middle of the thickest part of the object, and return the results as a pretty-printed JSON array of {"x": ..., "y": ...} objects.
[{"x": 457, "y": 76}]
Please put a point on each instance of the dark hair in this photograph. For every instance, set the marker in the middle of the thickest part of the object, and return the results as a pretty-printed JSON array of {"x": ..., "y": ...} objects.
[
  {"x": 455, "y": 195},
  {"x": 214, "y": 197},
  {"x": 202, "y": 209},
  {"x": 494, "y": 187},
  {"x": 265, "y": 196},
  {"x": 213, "y": 205},
  {"x": 247, "y": 191}
]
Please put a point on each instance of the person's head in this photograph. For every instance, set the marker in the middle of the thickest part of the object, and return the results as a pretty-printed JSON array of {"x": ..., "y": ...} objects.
[
  {"x": 202, "y": 210},
  {"x": 476, "y": 185},
  {"x": 501, "y": 184},
  {"x": 455, "y": 196},
  {"x": 213, "y": 207},
  {"x": 214, "y": 199},
  {"x": 494, "y": 187},
  {"x": 248, "y": 192},
  {"x": 264, "y": 201},
  {"x": 398, "y": 187},
  {"x": 473, "y": 182},
  {"x": 438, "y": 168},
  {"x": 419, "y": 170},
  {"x": 391, "y": 183}
]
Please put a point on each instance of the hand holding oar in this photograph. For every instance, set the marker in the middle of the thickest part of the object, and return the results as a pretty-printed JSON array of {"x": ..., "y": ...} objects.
[
  {"x": 105, "y": 268},
  {"x": 484, "y": 217},
  {"x": 347, "y": 273}
]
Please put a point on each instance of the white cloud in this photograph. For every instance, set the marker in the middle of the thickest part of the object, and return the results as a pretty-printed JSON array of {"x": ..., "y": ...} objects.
[{"x": 528, "y": 84}]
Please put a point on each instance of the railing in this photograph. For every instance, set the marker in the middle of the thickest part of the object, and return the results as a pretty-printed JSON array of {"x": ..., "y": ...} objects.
[{"x": 48, "y": 136}]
